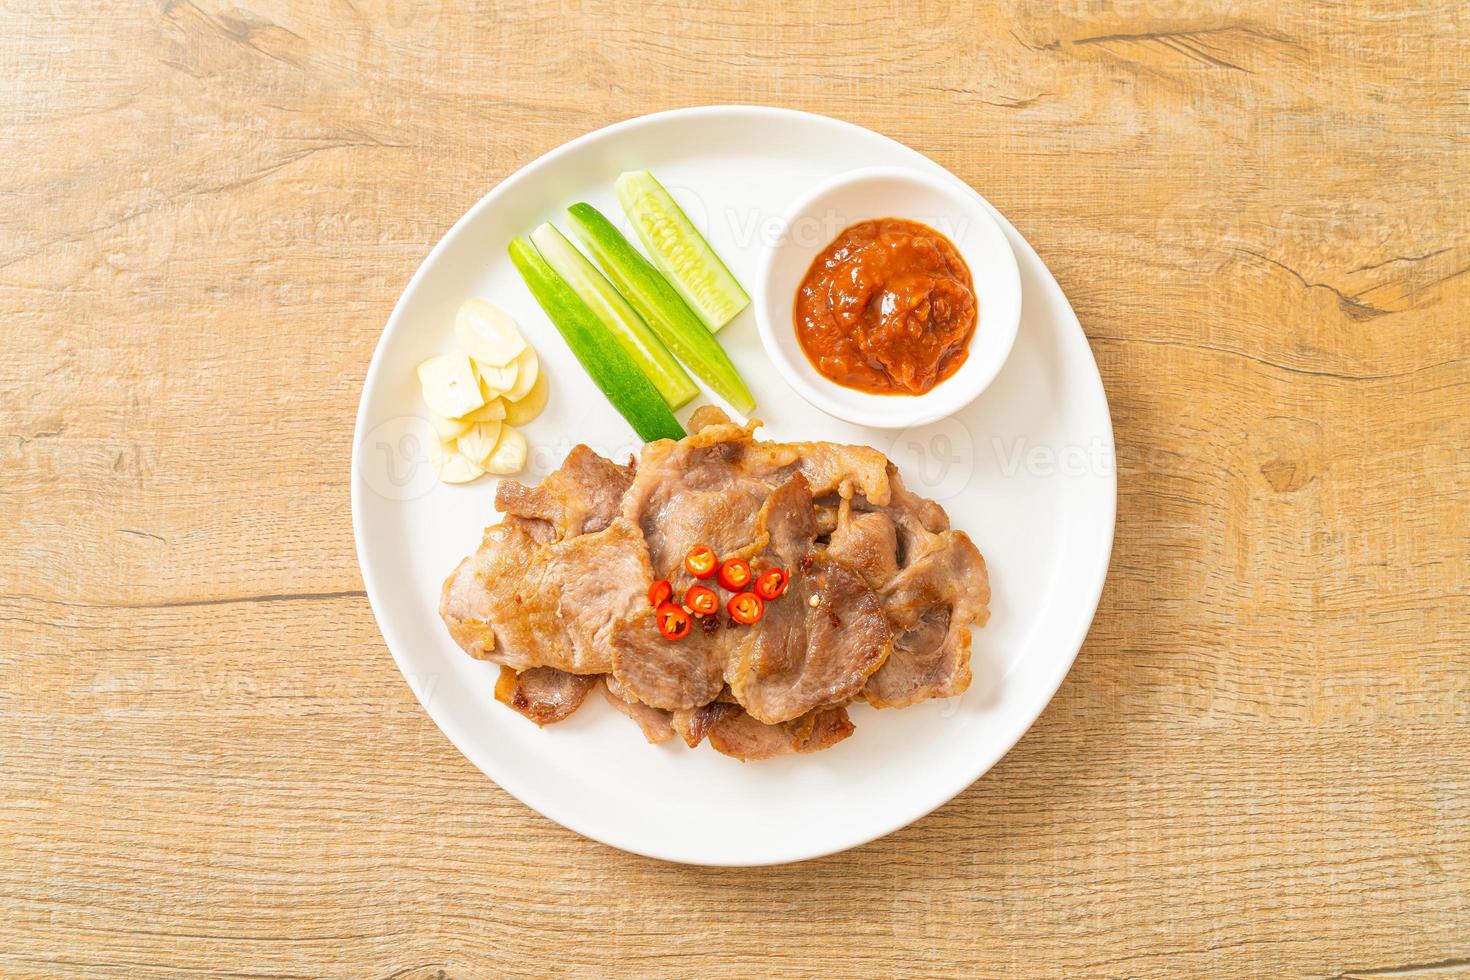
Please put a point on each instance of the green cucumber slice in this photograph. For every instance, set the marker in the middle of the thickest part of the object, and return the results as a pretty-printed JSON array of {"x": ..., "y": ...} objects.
[
  {"x": 604, "y": 359},
  {"x": 660, "y": 306},
  {"x": 679, "y": 250},
  {"x": 621, "y": 320}
]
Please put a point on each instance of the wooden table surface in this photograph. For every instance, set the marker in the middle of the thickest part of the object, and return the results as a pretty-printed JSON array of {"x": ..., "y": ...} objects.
[{"x": 1260, "y": 764}]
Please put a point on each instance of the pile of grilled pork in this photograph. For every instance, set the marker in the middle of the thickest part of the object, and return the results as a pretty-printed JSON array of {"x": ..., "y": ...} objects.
[{"x": 881, "y": 596}]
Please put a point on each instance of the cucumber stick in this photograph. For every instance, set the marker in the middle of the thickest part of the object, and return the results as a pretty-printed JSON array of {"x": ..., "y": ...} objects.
[
  {"x": 660, "y": 306},
  {"x": 620, "y": 319},
  {"x": 679, "y": 250},
  {"x": 604, "y": 359}
]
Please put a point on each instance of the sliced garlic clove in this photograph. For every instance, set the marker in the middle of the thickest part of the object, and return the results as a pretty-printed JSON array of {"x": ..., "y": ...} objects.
[
  {"x": 523, "y": 411},
  {"x": 487, "y": 333},
  {"x": 479, "y": 443},
  {"x": 492, "y": 411},
  {"x": 457, "y": 468},
  {"x": 449, "y": 429},
  {"x": 510, "y": 452},
  {"x": 449, "y": 384},
  {"x": 528, "y": 369}
]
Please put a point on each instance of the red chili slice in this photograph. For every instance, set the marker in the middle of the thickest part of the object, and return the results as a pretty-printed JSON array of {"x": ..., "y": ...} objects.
[
  {"x": 735, "y": 574},
  {"x": 701, "y": 561},
  {"x": 702, "y": 600},
  {"x": 771, "y": 583},
  {"x": 746, "y": 608},
  {"x": 673, "y": 622},
  {"x": 660, "y": 592}
]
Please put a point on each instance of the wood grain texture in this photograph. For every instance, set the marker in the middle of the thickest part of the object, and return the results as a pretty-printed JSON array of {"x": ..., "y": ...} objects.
[{"x": 1260, "y": 764}]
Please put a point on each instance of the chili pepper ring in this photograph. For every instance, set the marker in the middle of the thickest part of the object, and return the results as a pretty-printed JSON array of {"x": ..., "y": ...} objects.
[
  {"x": 701, "y": 561},
  {"x": 746, "y": 608},
  {"x": 771, "y": 584},
  {"x": 673, "y": 622},
  {"x": 734, "y": 574}
]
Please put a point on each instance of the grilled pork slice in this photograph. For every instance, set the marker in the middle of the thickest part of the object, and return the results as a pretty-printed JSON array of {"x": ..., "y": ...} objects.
[
  {"x": 799, "y": 657},
  {"x": 932, "y": 604},
  {"x": 709, "y": 487},
  {"x": 674, "y": 675},
  {"x": 934, "y": 587},
  {"x": 866, "y": 541},
  {"x": 543, "y": 694},
  {"x": 524, "y": 604},
  {"x": 695, "y": 724},
  {"x": 803, "y": 657},
  {"x": 739, "y": 735},
  {"x": 581, "y": 497}
]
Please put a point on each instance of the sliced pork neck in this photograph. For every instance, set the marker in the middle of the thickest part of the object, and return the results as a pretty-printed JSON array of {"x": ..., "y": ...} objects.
[{"x": 881, "y": 600}]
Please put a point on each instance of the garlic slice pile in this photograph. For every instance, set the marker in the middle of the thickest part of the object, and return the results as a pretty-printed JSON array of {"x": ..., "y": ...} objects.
[{"x": 480, "y": 398}]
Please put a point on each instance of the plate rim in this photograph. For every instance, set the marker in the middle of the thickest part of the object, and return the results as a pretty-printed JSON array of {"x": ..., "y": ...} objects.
[{"x": 454, "y": 732}]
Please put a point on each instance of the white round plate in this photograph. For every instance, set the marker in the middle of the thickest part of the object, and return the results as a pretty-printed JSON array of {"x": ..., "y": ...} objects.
[{"x": 1027, "y": 469}]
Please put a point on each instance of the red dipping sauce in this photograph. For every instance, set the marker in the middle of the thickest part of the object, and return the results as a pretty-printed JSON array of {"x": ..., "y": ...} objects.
[{"x": 888, "y": 308}]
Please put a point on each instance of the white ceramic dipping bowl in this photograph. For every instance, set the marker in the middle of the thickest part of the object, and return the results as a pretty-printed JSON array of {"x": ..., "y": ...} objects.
[{"x": 945, "y": 205}]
